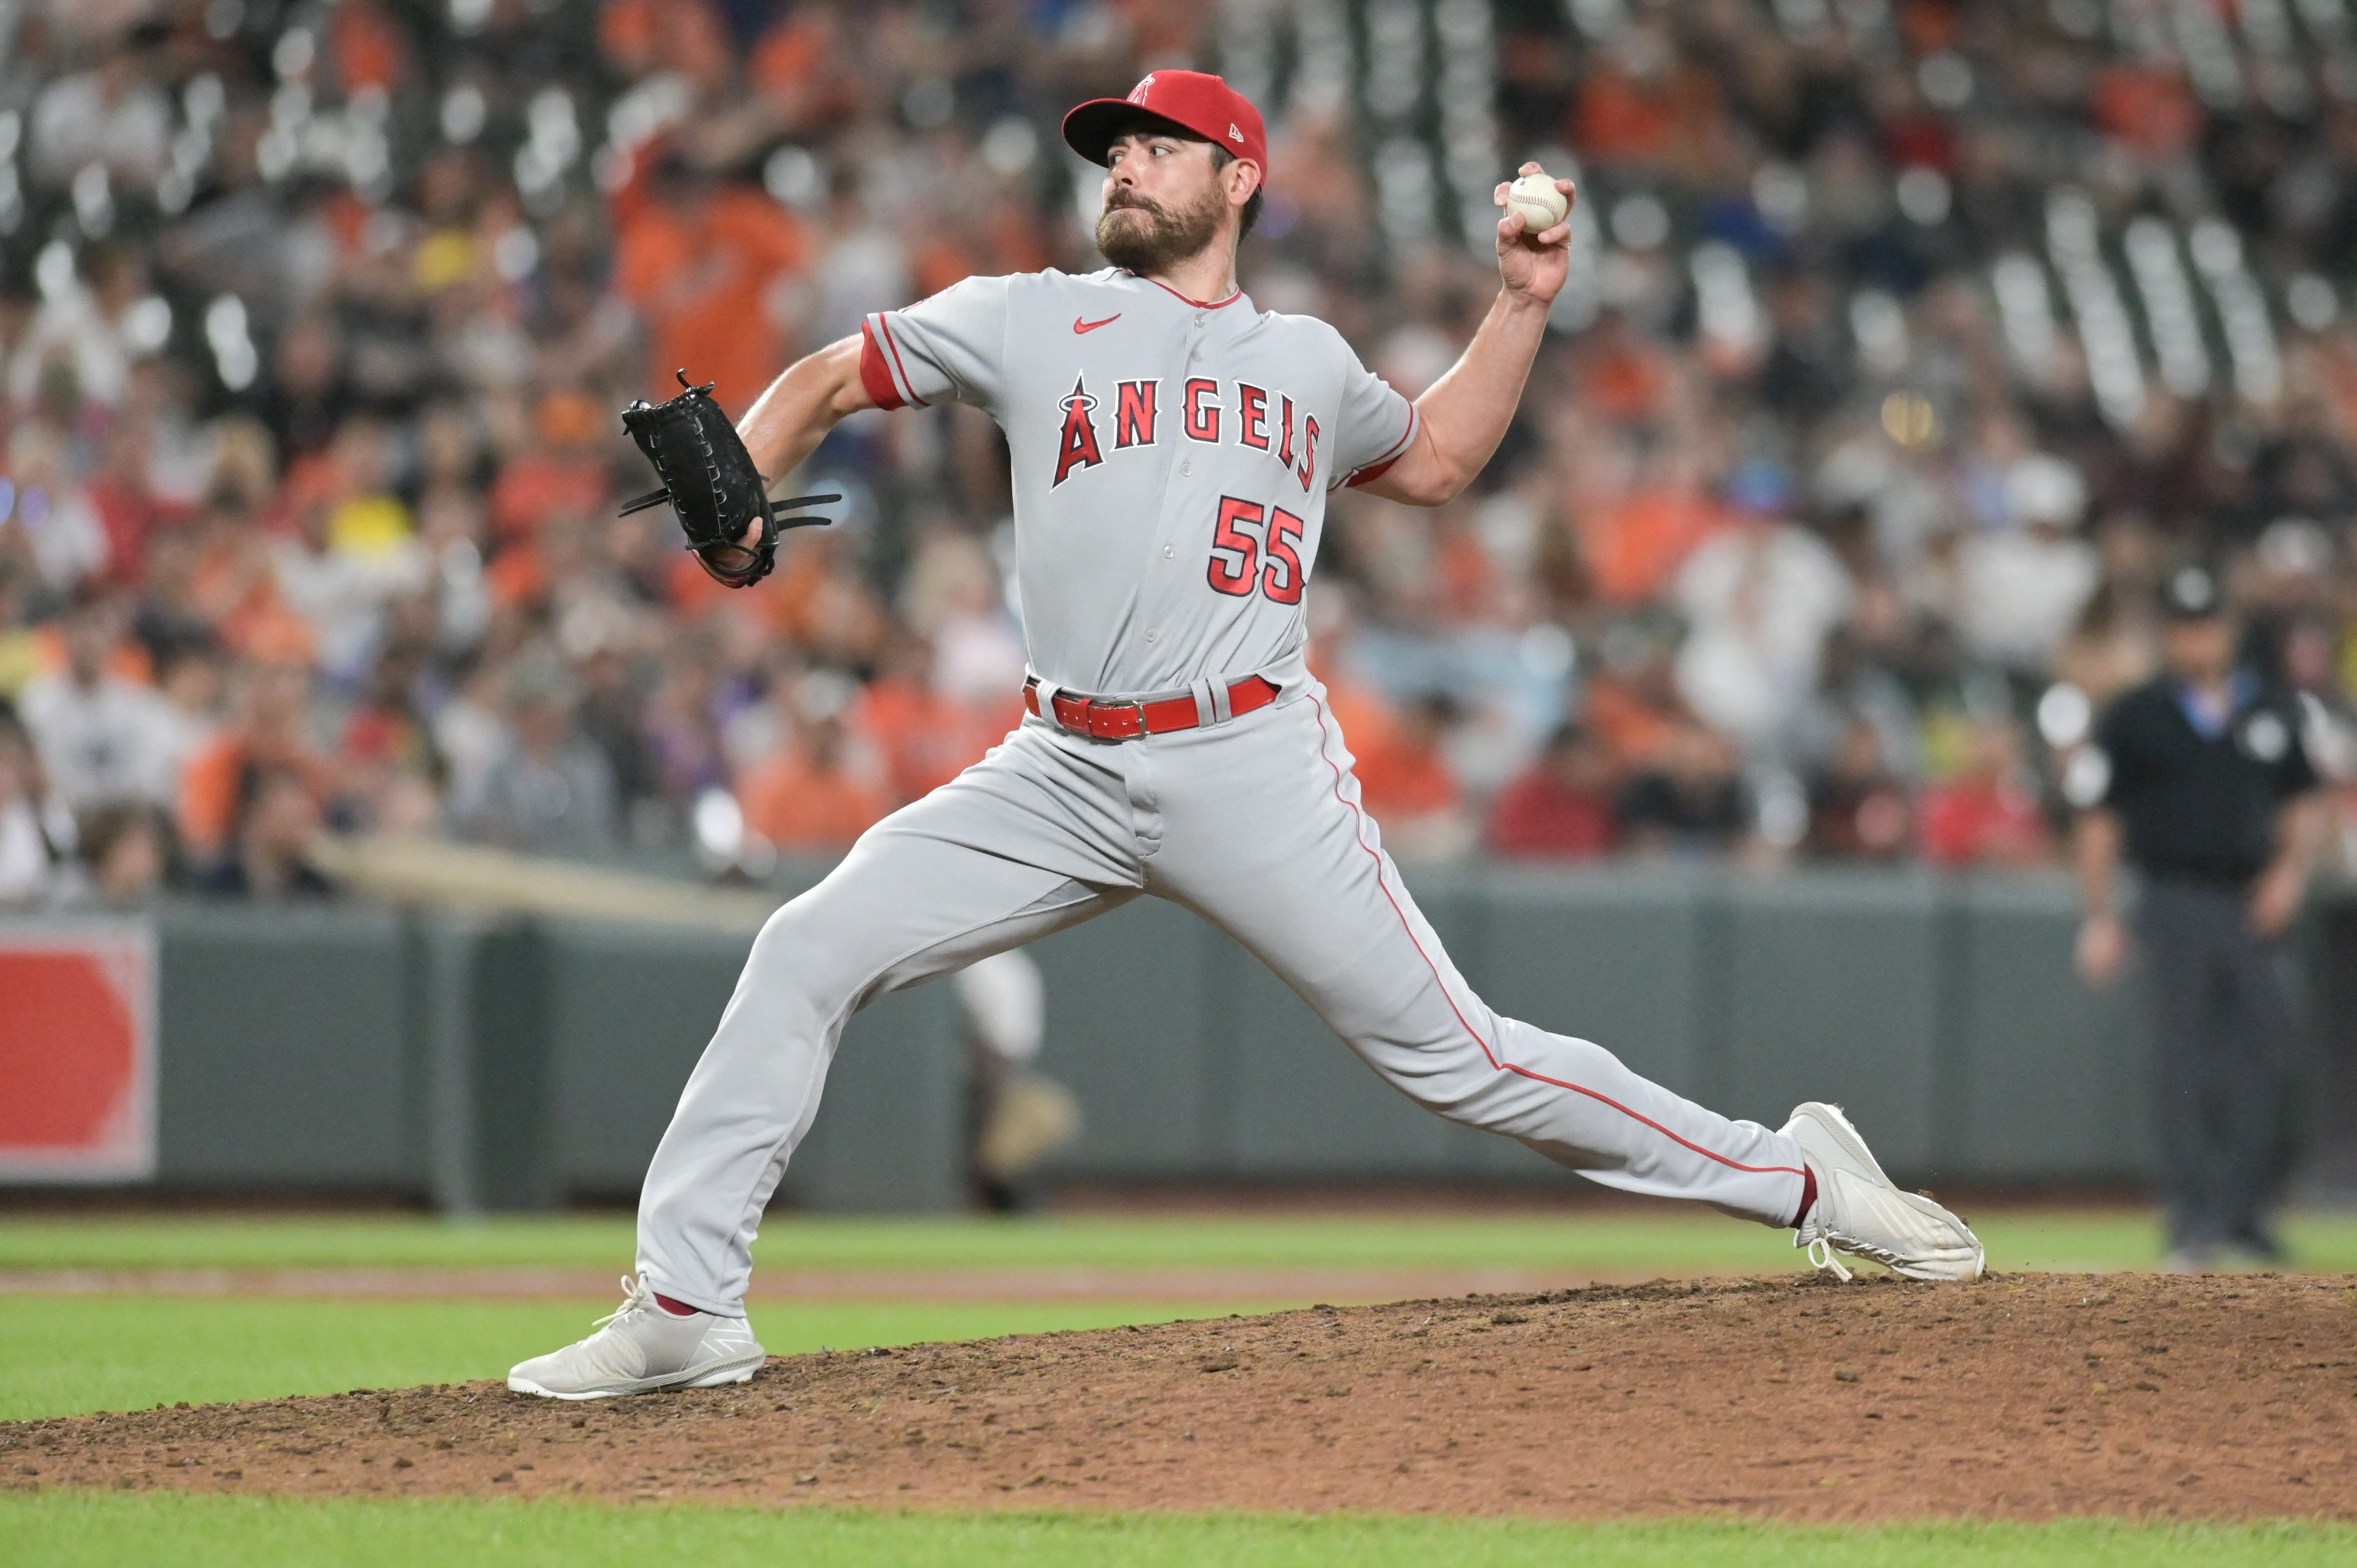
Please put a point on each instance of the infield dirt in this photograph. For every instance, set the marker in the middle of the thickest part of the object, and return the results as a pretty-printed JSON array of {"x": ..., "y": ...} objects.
[{"x": 2021, "y": 1397}]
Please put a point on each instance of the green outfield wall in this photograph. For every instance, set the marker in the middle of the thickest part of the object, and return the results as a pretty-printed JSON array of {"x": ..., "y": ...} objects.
[{"x": 493, "y": 1063}]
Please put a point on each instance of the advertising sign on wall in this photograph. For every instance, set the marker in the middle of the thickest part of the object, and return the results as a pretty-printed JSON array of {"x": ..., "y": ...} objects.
[{"x": 77, "y": 1053}]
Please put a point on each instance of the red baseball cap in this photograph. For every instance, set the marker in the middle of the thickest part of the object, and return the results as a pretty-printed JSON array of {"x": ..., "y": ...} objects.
[{"x": 1194, "y": 101}]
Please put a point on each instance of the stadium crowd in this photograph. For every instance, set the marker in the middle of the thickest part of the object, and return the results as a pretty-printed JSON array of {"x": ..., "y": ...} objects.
[{"x": 1909, "y": 346}]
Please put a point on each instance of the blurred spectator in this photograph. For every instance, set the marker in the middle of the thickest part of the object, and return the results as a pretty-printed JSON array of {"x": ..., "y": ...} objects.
[
  {"x": 863, "y": 264},
  {"x": 1760, "y": 598},
  {"x": 813, "y": 792},
  {"x": 2304, "y": 472},
  {"x": 111, "y": 117},
  {"x": 317, "y": 324},
  {"x": 1560, "y": 807},
  {"x": 1632, "y": 704},
  {"x": 270, "y": 841},
  {"x": 608, "y": 717},
  {"x": 103, "y": 740},
  {"x": 271, "y": 734},
  {"x": 124, "y": 853},
  {"x": 471, "y": 732},
  {"x": 1638, "y": 536},
  {"x": 86, "y": 334},
  {"x": 1859, "y": 810},
  {"x": 952, "y": 599},
  {"x": 549, "y": 789},
  {"x": 351, "y": 551},
  {"x": 306, "y": 400},
  {"x": 23, "y": 650},
  {"x": 708, "y": 263},
  {"x": 926, "y": 739},
  {"x": 1690, "y": 800},
  {"x": 1988, "y": 812},
  {"x": 30, "y": 822},
  {"x": 388, "y": 765},
  {"x": 2023, "y": 583},
  {"x": 680, "y": 723},
  {"x": 53, "y": 525},
  {"x": 557, "y": 471},
  {"x": 1407, "y": 785},
  {"x": 2117, "y": 642},
  {"x": 192, "y": 686}
]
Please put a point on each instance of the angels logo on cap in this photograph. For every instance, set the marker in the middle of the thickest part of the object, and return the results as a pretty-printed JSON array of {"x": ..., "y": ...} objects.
[{"x": 1137, "y": 94}]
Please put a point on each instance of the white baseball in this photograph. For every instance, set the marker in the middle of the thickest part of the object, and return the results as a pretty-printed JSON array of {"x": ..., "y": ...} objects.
[{"x": 1540, "y": 203}]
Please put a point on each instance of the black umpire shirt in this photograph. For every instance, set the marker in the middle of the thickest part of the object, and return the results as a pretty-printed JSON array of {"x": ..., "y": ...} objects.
[{"x": 2197, "y": 798}]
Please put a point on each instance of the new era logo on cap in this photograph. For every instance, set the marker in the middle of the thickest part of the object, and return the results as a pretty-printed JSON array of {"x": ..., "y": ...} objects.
[{"x": 1233, "y": 131}]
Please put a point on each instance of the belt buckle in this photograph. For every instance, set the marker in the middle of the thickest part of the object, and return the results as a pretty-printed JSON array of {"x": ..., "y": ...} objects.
[{"x": 1101, "y": 706}]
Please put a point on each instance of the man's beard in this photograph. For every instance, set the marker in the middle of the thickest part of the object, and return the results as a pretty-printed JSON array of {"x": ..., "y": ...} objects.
[{"x": 1158, "y": 238}]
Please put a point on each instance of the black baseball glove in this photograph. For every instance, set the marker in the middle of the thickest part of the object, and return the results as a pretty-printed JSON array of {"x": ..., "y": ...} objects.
[{"x": 709, "y": 479}]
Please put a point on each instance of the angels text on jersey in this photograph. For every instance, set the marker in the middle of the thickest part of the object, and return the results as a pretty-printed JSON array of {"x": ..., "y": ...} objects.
[{"x": 1256, "y": 418}]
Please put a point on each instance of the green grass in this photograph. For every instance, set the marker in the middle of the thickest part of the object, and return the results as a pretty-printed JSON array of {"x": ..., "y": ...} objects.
[
  {"x": 72, "y": 1353},
  {"x": 63, "y": 1530},
  {"x": 1670, "y": 1240},
  {"x": 66, "y": 1355}
]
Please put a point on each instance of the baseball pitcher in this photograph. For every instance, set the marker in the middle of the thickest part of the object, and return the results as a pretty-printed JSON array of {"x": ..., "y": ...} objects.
[{"x": 1172, "y": 448}]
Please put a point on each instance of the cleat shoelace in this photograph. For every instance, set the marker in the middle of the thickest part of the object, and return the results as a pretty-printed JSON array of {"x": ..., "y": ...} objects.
[
  {"x": 1821, "y": 1253},
  {"x": 635, "y": 1296}
]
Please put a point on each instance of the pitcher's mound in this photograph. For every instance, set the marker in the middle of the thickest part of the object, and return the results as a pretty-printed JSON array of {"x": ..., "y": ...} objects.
[{"x": 2019, "y": 1397}]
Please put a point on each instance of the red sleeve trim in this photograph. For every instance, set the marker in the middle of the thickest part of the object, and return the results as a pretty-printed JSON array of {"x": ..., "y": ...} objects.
[
  {"x": 898, "y": 365},
  {"x": 1381, "y": 466},
  {"x": 874, "y": 374}
]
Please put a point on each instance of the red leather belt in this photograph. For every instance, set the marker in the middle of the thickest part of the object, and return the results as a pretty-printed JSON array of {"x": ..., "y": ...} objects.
[{"x": 1105, "y": 719}]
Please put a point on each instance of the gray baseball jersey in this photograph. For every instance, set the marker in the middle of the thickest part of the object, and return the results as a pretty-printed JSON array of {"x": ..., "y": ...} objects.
[{"x": 1171, "y": 460}]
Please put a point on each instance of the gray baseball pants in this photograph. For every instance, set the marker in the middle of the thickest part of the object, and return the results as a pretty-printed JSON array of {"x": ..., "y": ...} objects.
[{"x": 1255, "y": 826}]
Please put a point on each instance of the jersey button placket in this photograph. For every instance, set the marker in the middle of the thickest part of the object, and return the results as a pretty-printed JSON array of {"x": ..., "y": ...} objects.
[
  {"x": 1194, "y": 356},
  {"x": 1186, "y": 465}
]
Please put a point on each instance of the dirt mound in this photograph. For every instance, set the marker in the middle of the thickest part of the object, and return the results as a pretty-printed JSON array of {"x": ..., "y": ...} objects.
[{"x": 2022, "y": 1397}]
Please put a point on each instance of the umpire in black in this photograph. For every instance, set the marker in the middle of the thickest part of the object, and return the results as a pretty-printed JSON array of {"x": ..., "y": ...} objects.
[{"x": 2211, "y": 796}]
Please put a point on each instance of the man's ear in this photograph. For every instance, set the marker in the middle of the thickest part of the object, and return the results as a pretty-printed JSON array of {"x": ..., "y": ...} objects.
[{"x": 1241, "y": 190}]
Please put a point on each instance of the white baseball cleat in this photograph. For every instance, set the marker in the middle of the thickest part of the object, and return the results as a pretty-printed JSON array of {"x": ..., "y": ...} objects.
[
  {"x": 1862, "y": 1213},
  {"x": 639, "y": 1347}
]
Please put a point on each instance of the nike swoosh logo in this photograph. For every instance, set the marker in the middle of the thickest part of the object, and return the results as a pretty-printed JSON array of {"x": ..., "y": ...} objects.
[{"x": 1081, "y": 326}]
